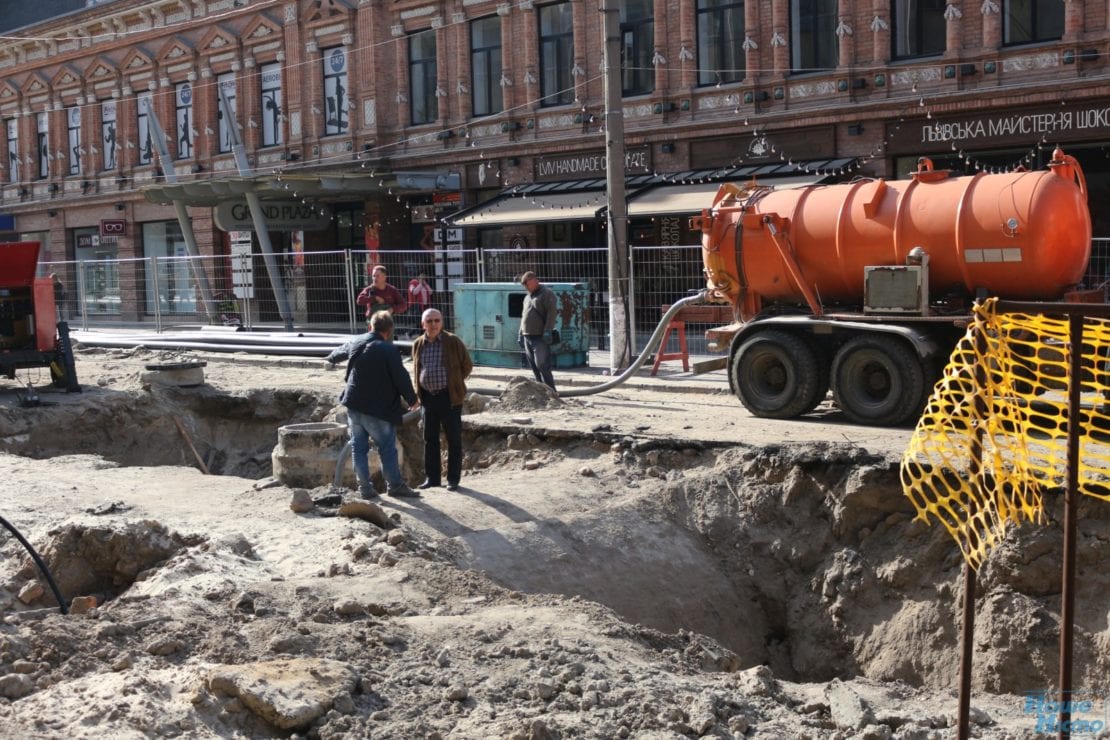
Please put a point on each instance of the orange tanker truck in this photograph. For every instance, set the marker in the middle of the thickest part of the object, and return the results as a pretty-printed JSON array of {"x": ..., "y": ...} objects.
[{"x": 864, "y": 288}]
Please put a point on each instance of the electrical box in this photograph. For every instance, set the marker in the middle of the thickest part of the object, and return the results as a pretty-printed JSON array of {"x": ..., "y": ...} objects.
[
  {"x": 487, "y": 319},
  {"x": 894, "y": 289}
]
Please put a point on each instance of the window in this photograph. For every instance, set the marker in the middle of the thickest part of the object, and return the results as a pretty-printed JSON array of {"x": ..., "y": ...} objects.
[
  {"x": 225, "y": 84},
  {"x": 1029, "y": 21},
  {"x": 919, "y": 28},
  {"x": 485, "y": 66},
  {"x": 271, "y": 105},
  {"x": 183, "y": 97},
  {"x": 146, "y": 141},
  {"x": 424, "y": 108},
  {"x": 12, "y": 125},
  {"x": 176, "y": 293},
  {"x": 73, "y": 125},
  {"x": 720, "y": 41},
  {"x": 108, "y": 133},
  {"x": 813, "y": 35},
  {"x": 556, "y": 54},
  {"x": 336, "y": 101},
  {"x": 637, "y": 47},
  {"x": 42, "y": 141}
]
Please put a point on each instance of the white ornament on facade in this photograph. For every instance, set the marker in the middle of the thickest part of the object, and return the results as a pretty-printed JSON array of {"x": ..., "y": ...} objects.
[
  {"x": 440, "y": 92},
  {"x": 396, "y": 30},
  {"x": 460, "y": 88},
  {"x": 657, "y": 59},
  {"x": 879, "y": 24},
  {"x": 777, "y": 39},
  {"x": 989, "y": 7},
  {"x": 577, "y": 71},
  {"x": 685, "y": 55},
  {"x": 749, "y": 44},
  {"x": 401, "y": 98},
  {"x": 503, "y": 9},
  {"x": 529, "y": 78},
  {"x": 505, "y": 81},
  {"x": 951, "y": 13},
  {"x": 843, "y": 29}
]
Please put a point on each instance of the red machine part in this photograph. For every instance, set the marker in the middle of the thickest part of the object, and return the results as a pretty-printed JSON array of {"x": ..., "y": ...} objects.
[{"x": 1021, "y": 235}]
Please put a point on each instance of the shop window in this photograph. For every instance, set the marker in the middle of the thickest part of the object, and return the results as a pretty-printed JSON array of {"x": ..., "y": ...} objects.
[
  {"x": 637, "y": 47},
  {"x": 146, "y": 141},
  {"x": 183, "y": 97},
  {"x": 108, "y": 134},
  {"x": 424, "y": 108},
  {"x": 813, "y": 35},
  {"x": 919, "y": 28},
  {"x": 73, "y": 130},
  {"x": 485, "y": 66},
  {"x": 272, "y": 115},
  {"x": 99, "y": 270},
  {"x": 42, "y": 143},
  {"x": 171, "y": 282},
  {"x": 225, "y": 87},
  {"x": 556, "y": 54},
  {"x": 720, "y": 41},
  {"x": 1029, "y": 21},
  {"x": 336, "y": 100},
  {"x": 12, "y": 127}
]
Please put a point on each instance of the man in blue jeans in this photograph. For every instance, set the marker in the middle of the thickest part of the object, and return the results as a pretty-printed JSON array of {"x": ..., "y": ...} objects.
[{"x": 376, "y": 385}]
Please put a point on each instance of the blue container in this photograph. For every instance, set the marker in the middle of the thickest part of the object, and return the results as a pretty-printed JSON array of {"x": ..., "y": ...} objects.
[{"x": 487, "y": 319}]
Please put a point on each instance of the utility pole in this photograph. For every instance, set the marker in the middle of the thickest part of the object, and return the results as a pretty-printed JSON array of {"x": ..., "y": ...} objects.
[{"x": 617, "y": 212}]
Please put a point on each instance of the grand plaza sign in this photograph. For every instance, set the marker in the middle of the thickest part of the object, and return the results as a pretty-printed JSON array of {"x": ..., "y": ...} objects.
[{"x": 1028, "y": 128}]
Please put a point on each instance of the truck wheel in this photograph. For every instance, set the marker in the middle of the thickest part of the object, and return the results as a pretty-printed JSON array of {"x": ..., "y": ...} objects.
[
  {"x": 777, "y": 375},
  {"x": 878, "y": 380}
]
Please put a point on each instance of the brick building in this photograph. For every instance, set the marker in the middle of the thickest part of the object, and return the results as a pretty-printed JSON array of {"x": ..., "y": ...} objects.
[{"x": 424, "y": 108}]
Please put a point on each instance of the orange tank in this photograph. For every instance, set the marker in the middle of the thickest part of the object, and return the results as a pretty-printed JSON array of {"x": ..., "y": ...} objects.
[{"x": 1019, "y": 235}]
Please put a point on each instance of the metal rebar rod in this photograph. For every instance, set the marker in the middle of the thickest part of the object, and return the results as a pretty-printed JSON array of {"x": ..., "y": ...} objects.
[{"x": 1071, "y": 491}]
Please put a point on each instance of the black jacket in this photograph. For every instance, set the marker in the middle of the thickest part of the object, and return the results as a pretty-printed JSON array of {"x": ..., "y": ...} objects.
[{"x": 376, "y": 379}]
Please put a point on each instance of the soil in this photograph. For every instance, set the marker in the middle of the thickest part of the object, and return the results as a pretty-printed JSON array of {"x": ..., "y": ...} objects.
[{"x": 646, "y": 562}]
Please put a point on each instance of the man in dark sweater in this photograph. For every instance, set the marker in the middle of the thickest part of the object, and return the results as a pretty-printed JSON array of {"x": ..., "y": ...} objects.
[{"x": 376, "y": 386}]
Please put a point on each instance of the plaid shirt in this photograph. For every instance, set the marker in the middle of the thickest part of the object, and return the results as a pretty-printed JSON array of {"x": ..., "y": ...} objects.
[{"x": 433, "y": 373}]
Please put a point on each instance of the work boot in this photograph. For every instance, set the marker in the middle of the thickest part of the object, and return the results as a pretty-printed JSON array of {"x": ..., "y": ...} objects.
[
  {"x": 401, "y": 490},
  {"x": 366, "y": 490}
]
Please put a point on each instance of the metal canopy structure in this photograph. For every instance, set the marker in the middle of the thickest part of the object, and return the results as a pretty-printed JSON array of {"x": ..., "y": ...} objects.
[
  {"x": 322, "y": 187},
  {"x": 647, "y": 195}
]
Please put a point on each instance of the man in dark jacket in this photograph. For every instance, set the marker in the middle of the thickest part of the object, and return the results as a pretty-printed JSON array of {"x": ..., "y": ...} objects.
[
  {"x": 376, "y": 385},
  {"x": 537, "y": 327},
  {"x": 441, "y": 365}
]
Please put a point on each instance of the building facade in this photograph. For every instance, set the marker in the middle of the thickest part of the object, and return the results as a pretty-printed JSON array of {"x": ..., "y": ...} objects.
[{"x": 429, "y": 108}]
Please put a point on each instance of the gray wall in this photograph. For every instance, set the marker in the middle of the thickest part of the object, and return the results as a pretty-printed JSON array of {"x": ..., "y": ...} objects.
[{"x": 19, "y": 13}]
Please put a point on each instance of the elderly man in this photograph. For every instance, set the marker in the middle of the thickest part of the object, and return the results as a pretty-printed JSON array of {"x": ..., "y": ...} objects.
[
  {"x": 537, "y": 327},
  {"x": 441, "y": 365},
  {"x": 376, "y": 386}
]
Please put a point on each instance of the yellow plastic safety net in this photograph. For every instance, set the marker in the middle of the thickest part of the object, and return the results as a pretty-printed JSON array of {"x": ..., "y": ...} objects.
[{"x": 993, "y": 438}]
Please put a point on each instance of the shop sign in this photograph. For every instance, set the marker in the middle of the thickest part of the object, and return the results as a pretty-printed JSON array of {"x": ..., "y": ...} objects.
[
  {"x": 280, "y": 215},
  {"x": 1001, "y": 128},
  {"x": 581, "y": 165},
  {"x": 242, "y": 264},
  {"x": 763, "y": 147},
  {"x": 113, "y": 227}
]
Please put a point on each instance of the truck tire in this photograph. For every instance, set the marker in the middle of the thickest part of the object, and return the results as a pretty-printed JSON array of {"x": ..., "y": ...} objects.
[
  {"x": 777, "y": 375},
  {"x": 878, "y": 380}
]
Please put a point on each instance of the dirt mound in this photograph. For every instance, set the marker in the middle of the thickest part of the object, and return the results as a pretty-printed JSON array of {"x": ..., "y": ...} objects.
[
  {"x": 523, "y": 394},
  {"x": 101, "y": 561}
]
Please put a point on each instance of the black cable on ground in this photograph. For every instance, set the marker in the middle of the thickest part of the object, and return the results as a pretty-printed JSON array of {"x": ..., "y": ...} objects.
[{"x": 39, "y": 562}]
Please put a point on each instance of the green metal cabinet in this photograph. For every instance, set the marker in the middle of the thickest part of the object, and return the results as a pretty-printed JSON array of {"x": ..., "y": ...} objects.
[{"x": 487, "y": 319}]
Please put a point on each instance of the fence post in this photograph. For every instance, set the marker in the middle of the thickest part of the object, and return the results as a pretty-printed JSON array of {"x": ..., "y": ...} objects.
[
  {"x": 156, "y": 289},
  {"x": 348, "y": 274},
  {"x": 81, "y": 306},
  {"x": 632, "y": 303},
  {"x": 481, "y": 264}
]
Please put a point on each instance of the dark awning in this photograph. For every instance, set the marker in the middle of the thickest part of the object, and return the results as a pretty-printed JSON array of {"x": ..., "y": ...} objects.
[
  {"x": 684, "y": 192},
  {"x": 211, "y": 192}
]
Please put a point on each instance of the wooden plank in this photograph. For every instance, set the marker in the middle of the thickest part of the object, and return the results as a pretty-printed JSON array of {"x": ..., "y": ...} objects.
[{"x": 705, "y": 366}]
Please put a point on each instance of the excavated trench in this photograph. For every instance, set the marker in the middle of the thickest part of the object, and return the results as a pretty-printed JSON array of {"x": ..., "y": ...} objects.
[{"x": 805, "y": 558}]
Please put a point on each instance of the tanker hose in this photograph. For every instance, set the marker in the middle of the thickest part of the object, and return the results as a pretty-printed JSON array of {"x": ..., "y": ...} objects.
[
  {"x": 39, "y": 562},
  {"x": 646, "y": 352}
]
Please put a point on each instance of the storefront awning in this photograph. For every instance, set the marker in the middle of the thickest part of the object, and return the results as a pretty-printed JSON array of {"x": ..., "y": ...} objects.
[
  {"x": 677, "y": 200},
  {"x": 516, "y": 208},
  {"x": 211, "y": 192},
  {"x": 681, "y": 193}
]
